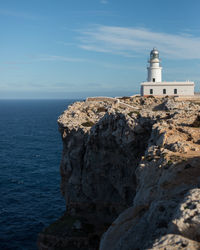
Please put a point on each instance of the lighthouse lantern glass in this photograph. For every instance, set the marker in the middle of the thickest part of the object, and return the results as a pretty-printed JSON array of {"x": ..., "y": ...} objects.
[{"x": 154, "y": 54}]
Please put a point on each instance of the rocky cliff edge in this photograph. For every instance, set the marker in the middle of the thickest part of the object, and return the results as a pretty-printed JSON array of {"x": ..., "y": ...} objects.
[{"x": 130, "y": 175}]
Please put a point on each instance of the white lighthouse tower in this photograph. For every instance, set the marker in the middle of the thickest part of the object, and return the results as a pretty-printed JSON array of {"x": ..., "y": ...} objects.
[{"x": 154, "y": 69}]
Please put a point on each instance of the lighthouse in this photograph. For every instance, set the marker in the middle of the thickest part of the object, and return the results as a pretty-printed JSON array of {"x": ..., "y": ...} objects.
[
  {"x": 154, "y": 69},
  {"x": 154, "y": 84}
]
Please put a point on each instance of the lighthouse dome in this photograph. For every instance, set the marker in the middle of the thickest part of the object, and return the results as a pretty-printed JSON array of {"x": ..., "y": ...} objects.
[{"x": 154, "y": 53}]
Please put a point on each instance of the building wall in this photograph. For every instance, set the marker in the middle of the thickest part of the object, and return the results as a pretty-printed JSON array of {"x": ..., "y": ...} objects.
[{"x": 182, "y": 89}]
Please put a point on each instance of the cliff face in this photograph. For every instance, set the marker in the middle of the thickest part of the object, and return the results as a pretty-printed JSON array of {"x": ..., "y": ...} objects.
[
  {"x": 99, "y": 162},
  {"x": 138, "y": 157}
]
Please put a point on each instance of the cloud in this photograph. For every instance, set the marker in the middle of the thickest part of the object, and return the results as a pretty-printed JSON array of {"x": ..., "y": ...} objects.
[
  {"x": 121, "y": 66},
  {"x": 17, "y": 14},
  {"x": 16, "y": 62},
  {"x": 65, "y": 43},
  {"x": 104, "y": 1},
  {"x": 45, "y": 58},
  {"x": 131, "y": 42},
  {"x": 58, "y": 58}
]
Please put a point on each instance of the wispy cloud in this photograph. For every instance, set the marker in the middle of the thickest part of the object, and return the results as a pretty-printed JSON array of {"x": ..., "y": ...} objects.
[
  {"x": 57, "y": 58},
  {"x": 92, "y": 12},
  {"x": 121, "y": 66},
  {"x": 104, "y": 1},
  {"x": 136, "y": 41},
  {"x": 16, "y": 62},
  {"x": 65, "y": 43},
  {"x": 44, "y": 58},
  {"x": 11, "y": 13}
]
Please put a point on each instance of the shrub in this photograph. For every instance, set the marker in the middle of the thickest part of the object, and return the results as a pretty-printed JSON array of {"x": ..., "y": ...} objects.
[
  {"x": 134, "y": 112},
  {"x": 151, "y": 96},
  {"x": 196, "y": 123},
  {"x": 101, "y": 109},
  {"x": 124, "y": 98},
  {"x": 87, "y": 124},
  {"x": 170, "y": 162}
]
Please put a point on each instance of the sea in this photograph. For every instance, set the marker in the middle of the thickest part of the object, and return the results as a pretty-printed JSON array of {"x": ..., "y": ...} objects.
[{"x": 30, "y": 155}]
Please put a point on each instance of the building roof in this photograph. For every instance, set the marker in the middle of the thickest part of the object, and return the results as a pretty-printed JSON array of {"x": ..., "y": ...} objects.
[{"x": 186, "y": 83}]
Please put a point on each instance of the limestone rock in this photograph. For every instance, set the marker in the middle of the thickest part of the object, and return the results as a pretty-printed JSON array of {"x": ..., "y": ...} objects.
[
  {"x": 168, "y": 170},
  {"x": 186, "y": 220},
  {"x": 174, "y": 242},
  {"x": 131, "y": 167}
]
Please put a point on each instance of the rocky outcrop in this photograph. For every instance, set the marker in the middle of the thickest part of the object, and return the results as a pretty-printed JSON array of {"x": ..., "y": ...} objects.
[
  {"x": 175, "y": 242},
  {"x": 133, "y": 168},
  {"x": 100, "y": 156},
  {"x": 165, "y": 208}
]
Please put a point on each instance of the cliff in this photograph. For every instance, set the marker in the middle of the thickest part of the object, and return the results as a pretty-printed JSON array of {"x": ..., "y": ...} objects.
[{"x": 130, "y": 174}]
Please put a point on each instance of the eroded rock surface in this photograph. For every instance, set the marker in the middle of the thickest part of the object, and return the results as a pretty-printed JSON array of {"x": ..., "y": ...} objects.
[
  {"x": 100, "y": 156},
  {"x": 133, "y": 167},
  {"x": 174, "y": 242}
]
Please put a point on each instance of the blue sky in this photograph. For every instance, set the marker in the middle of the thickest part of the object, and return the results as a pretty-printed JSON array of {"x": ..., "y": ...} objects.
[{"x": 79, "y": 48}]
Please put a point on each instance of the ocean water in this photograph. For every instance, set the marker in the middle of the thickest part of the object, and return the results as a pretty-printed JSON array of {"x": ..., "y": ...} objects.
[{"x": 30, "y": 154}]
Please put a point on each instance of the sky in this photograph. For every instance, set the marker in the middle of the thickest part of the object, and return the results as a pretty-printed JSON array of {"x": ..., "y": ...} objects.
[{"x": 66, "y": 49}]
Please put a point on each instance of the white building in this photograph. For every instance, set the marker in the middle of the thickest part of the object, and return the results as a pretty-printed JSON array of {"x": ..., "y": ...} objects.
[{"x": 154, "y": 84}]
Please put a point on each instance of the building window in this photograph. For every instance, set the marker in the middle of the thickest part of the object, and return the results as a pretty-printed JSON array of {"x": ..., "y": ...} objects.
[
  {"x": 154, "y": 79},
  {"x": 175, "y": 91},
  {"x": 164, "y": 91},
  {"x": 151, "y": 91}
]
